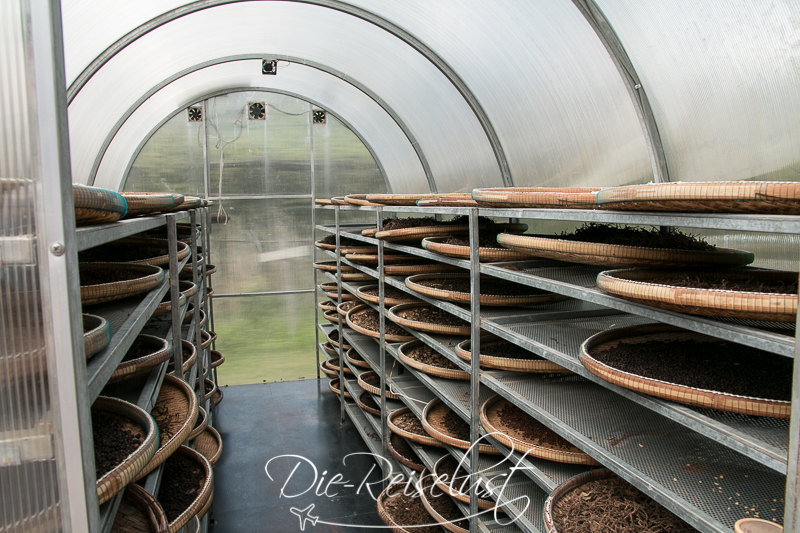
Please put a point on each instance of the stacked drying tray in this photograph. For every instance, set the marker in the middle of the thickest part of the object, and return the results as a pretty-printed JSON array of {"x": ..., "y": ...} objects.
[
  {"x": 128, "y": 363},
  {"x": 641, "y": 438}
]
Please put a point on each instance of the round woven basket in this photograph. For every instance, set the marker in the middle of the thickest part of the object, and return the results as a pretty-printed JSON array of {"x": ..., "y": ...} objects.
[
  {"x": 364, "y": 308},
  {"x": 145, "y": 203},
  {"x": 200, "y": 425},
  {"x": 334, "y": 365},
  {"x": 674, "y": 392},
  {"x": 330, "y": 266},
  {"x": 344, "y": 307},
  {"x": 413, "y": 283},
  {"x": 329, "y": 348},
  {"x": 334, "y": 386},
  {"x": 322, "y": 201},
  {"x": 184, "y": 233},
  {"x": 331, "y": 372},
  {"x": 348, "y": 248},
  {"x": 330, "y": 290},
  {"x": 187, "y": 318},
  {"x": 369, "y": 232},
  {"x": 383, "y": 512},
  {"x": 389, "y": 302},
  {"x": 139, "y": 512},
  {"x": 187, "y": 273},
  {"x": 617, "y": 255},
  {"x": 326, "y": 306},
  {"x": 447, "y": 202},
  {"x": 205, "y": 492},
  {"x": 550, "y": 197},
  {"x": 419, "y": 233},
  {"x": 411, "y": 199},
  {"x": 447, "y": 485},
  {"x": 333, "y": 339},
  {"x": 372, "y": 259},
  {"x": 634, "y": 285},
  {"x": 397, "y": 315},
  {"x": 426, "y": 439},
  {"x": 160, "y": 351},
  {"x": 427, "y": 268},
  {"x": 218, "y": 395},
  {"x": 513, "y": 439},
  {"x": 539, "y": 366},
  {"x": 189, "y": 202},
  {"x": 332, "y": 316},
  {"x": 209, "y": 443},
  {"x": 206, "y": 338},
  {"x": 432, "y": 418},
  {"x": 177, "y": 406},
  {"x": 769, "y": 197},
  {"x": 94, "y": 205},
  {"x": 96, "y": 334},
  {"x": 162, "y": 245},
  {"x": 209, "y": 392},
  {"x": 187, "y": 288},
  {"x": 558, "y": 492},
  {"x": 338, "y": 200},
  {"x": 486, "y": 255},
  {"x": 150, "y": 277},
  {"x": 371, "y": 388},
  {"x": 351, "y": 355},
  {"x": 138, "y": 421},
  {"x": 361, "y": 404},
  {"x": 438, "y": 518},
  {"x": 359, "y": 199},
  {"x": 416, "y": 466},
  {"x": 189, "y": 357},
  {"x": 446, "y": 373},
  {"x": 216, "y": 358}
]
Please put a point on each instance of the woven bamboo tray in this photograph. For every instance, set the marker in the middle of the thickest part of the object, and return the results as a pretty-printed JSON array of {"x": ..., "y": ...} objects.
[
  {"x": 331, "y": 316},
  {"x": 432, "y": 422},
  {"x": 539, "y": 366},
  {"x": 558, "y": 492},
  {"x": 344, "y": 307},
  {"x": 486, "y": 255},
  {"x": 427, "y": 268},
  {"x": 359, "y": 199},
  {"x": 186, "y": 271},
  {"x": 145, "y": 203},
  {"x": 96, "y": 334},
  {"x": 386, "y": 301},
  {"x": 203, "y": 510},
  {"x": 447, "y": 202},
  {"x": 429, "y": 369},
  {"x": 189, "y": 357},
  {"x": 209, "y": 443},
  {"x": 348, "y": 249},
  {"x": 162, "y": 259},
  {"x": 206, "y": 338},
  {"x": 330, "y": 290},
  {"x": 338, "y": 200},
  {"x": 94, "y": 205},
  {"x": 355, "y": 362},
  {"x": 189, "y": 202},
  {"x": 374, "y": 390},
  {"x": 332, "y": 369},
  {"x": 334, "y": 365},
  {"x": 372, "y": 259},
  {"x": 617, "y": 255},
  {"x": 674, "y": 392},
  {"x": 633, "y": 285},
  {"x": 413, "y": 283},
  {"x": 200, "y": 425},
  {"x": 161, "y": 351},
  {"x": 209, "y": 392},
  {"x": 138, "y": 421},
  {"x": 419, "y": 233},
  {"x": 216, "y": 358},
  {"x": 509, "y": 437},
  {"x": 396, "y": 315},
  {"x": 426, "y": 439},
  {"x": 442, "y": 481},
  {"x": 323, "y": 201},
  {"x": 327, "y": 306},
  {"x": 177, "y": 399},
  {"x": 335, "y": 343},
  {"x": 369, "y": 232},
  {"x": 206, "y": 490},
  {"x": 364, "y": 308},
  {"x": 184, "y": 233},
  {"x": 151, "y": 277},
  {"x": 333, "y": 385},
  {"x": 187, "y": 288},
  {"x": 393, "y": 526},
  {"x": 362, "y": 405},
  {"x": 329, "y": 348},
  {"x": 187, "y": 318},
  {"x": 411, "y": 199},
  {"x": 139, "y": 512},
  {"x": 437, "y": 518},
  {"x": 769, "y": 197},
  {"x": 548, "y": 197},
  {"x": 330, "y": 266},
  {"x": 218, "y": 395},
  {"x": 418, "y": 467}
]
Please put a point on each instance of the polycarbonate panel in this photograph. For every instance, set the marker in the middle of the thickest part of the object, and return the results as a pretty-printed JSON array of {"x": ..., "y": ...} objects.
[
  {"x": 29, "y": 484},
  {"x": 387, "y": 141},
  {"x": 172, "y": 161},
  {"x": 545, "y": 80},
  {"x": 723, "y": 79},
  {"x": 265, "y": 246},
  {"x": 265, "y": 338},
  {"x": 447, "y": 131}
]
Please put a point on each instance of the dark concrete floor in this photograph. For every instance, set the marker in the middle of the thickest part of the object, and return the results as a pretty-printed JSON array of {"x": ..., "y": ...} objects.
[{"x": 262, "y": 421}]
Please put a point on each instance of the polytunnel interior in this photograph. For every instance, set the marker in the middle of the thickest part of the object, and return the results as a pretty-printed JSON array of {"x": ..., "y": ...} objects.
[{"x": 265, "y": 109}]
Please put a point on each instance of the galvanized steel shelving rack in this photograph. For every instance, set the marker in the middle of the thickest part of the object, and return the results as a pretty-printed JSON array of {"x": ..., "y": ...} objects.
[
  {"x": 633, "y": 434},
  {"x": 134, "y": 318}
]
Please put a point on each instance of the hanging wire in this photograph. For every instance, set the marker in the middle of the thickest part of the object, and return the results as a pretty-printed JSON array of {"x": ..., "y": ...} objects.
[{"x": 221, "y": 144}]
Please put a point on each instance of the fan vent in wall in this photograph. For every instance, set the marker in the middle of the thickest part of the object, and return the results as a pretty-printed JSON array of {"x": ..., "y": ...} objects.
[
  {"x": 256, "y": 110},
  {"x": 195, "y": 113},
  {"x": 320, "y": 116}
]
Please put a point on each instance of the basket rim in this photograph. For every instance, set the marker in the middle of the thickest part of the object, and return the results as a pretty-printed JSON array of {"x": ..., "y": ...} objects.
[
  {"x": 413, "y": 437},
  {"x": 442, "y": 521},
  {"x": 152, "y": 277},
  {"x": 217, "y": 438},
  {"x": 156, "y": 260},
  {"x": 356, "y": 362},
  {"x": 447, "y": 439},
  {"x": 98, "y": 337},
  {"x": 334, "y": 386},
  {"x": 439, "y": 230},
  {"x": 571, "y": 483},
  {"x": 360, "y": 199},
  {"x": 376, "y": 300},
  {"x": 424, "y": 326},
  {"x": 464, "y": 297},
  {"x": 543, "y": 366},
  {"x": 666, "y": 388},
  {"x": 741, "y": 191},
  {"x": 434, "y": 244},
  {"x": 483, "y": 504},
  {"x": 361, "y": 404},
  {"x": 146, "y": 504},
  {"x": 215, "y": 362},
  {"x": 141, "y": 365},
  {"x": 446, "y": 373},
  {"x": 199, "y": 429},
  {"x": 553, "y": 197},
  {"x": 330, "y": 266},
  {"x": 368, "y": 332},
  {"x": 371, "y": 389},
  {"x": 204, "y": 494}
]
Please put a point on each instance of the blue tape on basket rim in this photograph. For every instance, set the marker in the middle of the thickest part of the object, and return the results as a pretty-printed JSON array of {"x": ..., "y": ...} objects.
[{"x": 115, "y": 201}]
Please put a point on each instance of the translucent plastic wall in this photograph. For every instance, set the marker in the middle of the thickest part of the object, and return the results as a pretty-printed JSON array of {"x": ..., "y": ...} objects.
[{"x": 259, "y": 175}]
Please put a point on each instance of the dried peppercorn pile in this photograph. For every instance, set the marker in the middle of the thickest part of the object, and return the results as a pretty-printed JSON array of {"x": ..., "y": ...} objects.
[
  {"x": 343, "y": 241},
  {"x": 432, "y": 315},
  {"x": 717, "y": 366},
  {"x": 99, "y": 276},
  {"x": 493, "y": 286},
  {"x": 370, "y": 320},
  {"x": 455, "y": 426},
  {"x": 428, "y": 356},
  {"x": 613, "y": 505},
  {"x": 112, "y": 442},
  {"x": 368, "y": 400},
  {"x": 531, "y": 430},
  {"x": 443, "y": 504},
  {"x": 181, "y": 482},
  {"x": 388, "y": 292},
  {"x": 166, "y": 420},
  {"x": 508, "y": 350},
  {"x": 120, "y": 253},
  {"x": 699, "y": 280},
  {"x": 402, "y": 447},
  {"x": 139, "y": 348},
  {"x": 669, "y": 238},
  {"x": 409, "y": 422},
  {"x": 409, "y": 511}
]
